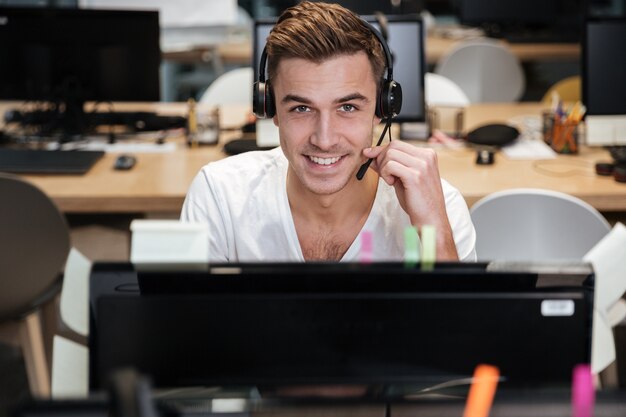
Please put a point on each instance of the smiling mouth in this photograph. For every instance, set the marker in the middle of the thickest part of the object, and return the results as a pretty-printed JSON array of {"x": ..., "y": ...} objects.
[{"x": 324, "y": 161}]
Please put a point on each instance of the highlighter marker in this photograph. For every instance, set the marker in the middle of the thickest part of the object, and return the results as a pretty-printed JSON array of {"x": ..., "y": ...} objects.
[
  {"x": 411, "y": 247},
  {"x": 429, "y": 246},
  {"x": 583, "y": 394},
  {"x": 367, "y": 247},
  {"x": 482, "y": 391}
]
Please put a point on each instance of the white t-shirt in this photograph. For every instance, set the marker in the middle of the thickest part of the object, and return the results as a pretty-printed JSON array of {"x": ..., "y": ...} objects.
[{"x": 244, "y": 200}]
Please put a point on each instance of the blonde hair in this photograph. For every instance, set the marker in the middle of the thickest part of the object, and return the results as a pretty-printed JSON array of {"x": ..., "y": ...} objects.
[{"x": 319, "y": 31}]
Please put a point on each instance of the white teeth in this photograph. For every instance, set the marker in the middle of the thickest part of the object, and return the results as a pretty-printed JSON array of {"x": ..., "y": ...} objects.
[{"x": 324, "y": 161}]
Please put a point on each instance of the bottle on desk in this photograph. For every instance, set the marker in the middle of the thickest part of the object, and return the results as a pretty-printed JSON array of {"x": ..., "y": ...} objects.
[{"x": 202, "y": 125}]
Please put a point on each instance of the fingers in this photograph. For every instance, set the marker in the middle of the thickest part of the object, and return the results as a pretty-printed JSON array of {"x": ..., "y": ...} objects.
[{"x": 400, "y": 160}]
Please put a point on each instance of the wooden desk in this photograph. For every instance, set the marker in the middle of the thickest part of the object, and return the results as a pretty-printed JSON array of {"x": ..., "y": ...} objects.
[
  {"x": 159, "y": 182},
  {"x": 571, "y": 174},
  {"x": 241, "y": 53},
  {"x": 436, "y": 47}
]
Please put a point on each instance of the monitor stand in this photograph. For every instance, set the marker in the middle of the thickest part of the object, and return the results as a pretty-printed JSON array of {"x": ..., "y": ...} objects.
[
  {"x": 414, "y": 131},
  {"x": 605, "y": 130}
]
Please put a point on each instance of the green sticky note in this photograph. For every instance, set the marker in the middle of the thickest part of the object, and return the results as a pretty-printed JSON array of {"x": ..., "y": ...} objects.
[
  {"x": 429, "y": 249},
  {"x": 411, "y": 247}
]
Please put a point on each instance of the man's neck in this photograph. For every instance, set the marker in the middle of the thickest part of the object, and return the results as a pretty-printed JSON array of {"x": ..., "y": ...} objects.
[
  {"x": 327, "y": 225},
  {"x": 354, "y": 200}
]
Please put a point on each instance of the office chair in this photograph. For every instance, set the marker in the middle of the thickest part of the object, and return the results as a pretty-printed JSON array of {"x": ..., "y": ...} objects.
[
  {"x": 569, "y": 90},
  {"x": 485, "y": 69},
  {"x": 442, "y": 91},
  {"x": 70, "y": 358},
  {"x": 233, "y": 87},
  {"x": 529, "y": 224},
  {"x": 35, "y": 241}
]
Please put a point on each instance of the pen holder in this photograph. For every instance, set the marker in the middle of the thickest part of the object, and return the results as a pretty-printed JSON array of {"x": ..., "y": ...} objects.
[{"x": 561, "y": 135}]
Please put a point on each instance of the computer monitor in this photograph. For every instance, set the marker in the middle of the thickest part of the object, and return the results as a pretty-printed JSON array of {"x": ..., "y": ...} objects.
[
  {"x": 276, "y": 325},
  {"x": 65, "y": 57},
  {"x": 604, "y": 87},
  {"x": 528, "y": 21},
  {"x": 368, "y": 7},
  {"x": 507, "y": 12},
  {"x": 406, "y": 42}
]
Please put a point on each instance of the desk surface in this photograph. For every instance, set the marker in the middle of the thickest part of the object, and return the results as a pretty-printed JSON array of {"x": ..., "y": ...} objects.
[
  {"x": 159, "y": 181},
  {"x": 436, "y": 47}
]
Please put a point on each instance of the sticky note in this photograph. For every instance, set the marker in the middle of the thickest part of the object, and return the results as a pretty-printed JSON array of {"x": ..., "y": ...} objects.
[{"x": 411, "y": 247}]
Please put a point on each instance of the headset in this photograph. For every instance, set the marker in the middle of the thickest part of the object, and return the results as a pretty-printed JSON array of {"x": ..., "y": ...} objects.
[{"x": 388, "y": 100}]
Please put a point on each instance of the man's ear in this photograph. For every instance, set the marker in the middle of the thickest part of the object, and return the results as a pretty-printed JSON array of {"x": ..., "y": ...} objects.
[
  {"x": 275, "y": 119},
  {"x": 376, "y": 121}
]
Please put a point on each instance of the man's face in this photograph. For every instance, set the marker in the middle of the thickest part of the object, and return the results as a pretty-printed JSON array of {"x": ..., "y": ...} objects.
[{"x": 325, "y": 115}]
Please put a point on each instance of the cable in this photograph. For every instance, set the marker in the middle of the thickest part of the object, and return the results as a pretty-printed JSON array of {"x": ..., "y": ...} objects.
[{"x": 579, "y": 168}]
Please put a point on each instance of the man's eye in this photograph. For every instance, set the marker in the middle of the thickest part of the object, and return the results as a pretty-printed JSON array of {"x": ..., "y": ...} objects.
[
  {"x": 300, "y": 109},
  {"x": 348, "y": 107}
]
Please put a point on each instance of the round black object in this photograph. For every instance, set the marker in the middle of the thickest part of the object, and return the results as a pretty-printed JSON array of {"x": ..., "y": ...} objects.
[
  {"x": 604, "y": 168},
  {"x": 493, "y": 135},
  {"x": 619, "y": 173}
]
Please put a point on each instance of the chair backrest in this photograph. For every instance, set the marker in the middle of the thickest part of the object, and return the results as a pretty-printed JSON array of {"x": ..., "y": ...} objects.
[
  {"x": 569, "y": 89},
  {"x": 233, "y": 87},
  {"x": 442, "y": 91},
  {"x": 35, "y": 241},
  {"x": 529, "y": 224},
  {"x": 485, "y": 69}
]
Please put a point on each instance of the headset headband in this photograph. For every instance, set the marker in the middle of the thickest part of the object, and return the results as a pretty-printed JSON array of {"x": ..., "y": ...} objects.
[{"x": 377, "y": 34}]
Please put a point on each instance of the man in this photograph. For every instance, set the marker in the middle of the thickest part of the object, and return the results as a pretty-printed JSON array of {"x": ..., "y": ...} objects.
[{"x": 302, "y": 201}]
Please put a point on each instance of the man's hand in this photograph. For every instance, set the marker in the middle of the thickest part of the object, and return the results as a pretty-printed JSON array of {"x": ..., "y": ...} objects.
[{"x": 414, "y": 173}]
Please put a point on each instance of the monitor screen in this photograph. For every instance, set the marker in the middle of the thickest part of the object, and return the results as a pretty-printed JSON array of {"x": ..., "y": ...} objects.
[
  {"x": 277, "y": 325},
  {"x": 406, "y": 43},
  {"x": 383, "y": 6},
  {"x": 507, "y": 12},
  {"x": 604, "y": 66},
  {"x": 73, "y": 55}
]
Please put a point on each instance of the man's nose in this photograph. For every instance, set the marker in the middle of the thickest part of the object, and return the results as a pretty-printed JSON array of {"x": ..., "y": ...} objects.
[{"x": 325, "y": 135}]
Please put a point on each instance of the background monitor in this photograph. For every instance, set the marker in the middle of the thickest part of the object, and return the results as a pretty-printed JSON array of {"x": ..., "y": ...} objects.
[
  {"x": 406, "y": 42},
  {"x": 71, "y": 56},
  {"x": 528, "y": 21},
  {"x": 604, "y": 67},
  {"x": 507, "y": 12},
  {"x": 383, "y": 6}
]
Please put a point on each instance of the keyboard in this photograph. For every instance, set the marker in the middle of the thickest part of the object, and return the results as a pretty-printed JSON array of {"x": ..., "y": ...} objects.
[{"x": 26, "y": 161}]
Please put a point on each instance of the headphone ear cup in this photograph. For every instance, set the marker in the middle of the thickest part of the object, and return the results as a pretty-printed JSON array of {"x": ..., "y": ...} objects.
[
  {"x": 270, "y": 107},
  {"x": 389, "y": 100},
  {"x": 258, "y": 99},
  {"x": 380, "y": 112}
]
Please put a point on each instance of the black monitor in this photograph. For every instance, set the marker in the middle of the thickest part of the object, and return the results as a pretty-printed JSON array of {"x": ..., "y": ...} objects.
[
  {"x": 406, "y": 42},
  {"x": 276, "y": 325},
  {"x": 525, "y": 21},
  {"x": 507, "y": 12},
  {"x": 368, "y": 7},
  {"x": 65, "y": 57},
  {"x": 604, "y": 66}
]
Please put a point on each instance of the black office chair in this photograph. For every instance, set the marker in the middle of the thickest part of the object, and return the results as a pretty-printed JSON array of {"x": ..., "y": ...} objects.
[{"x": 34, "y": 242}]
